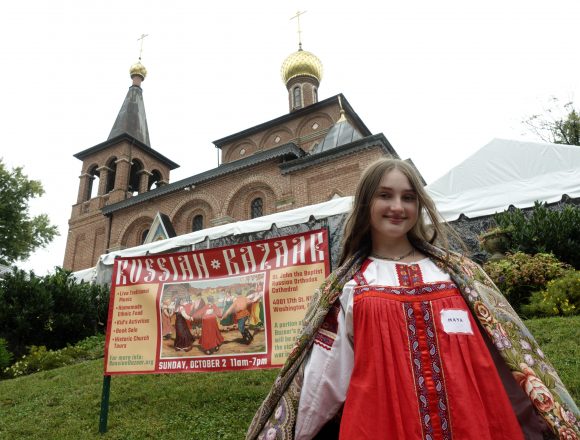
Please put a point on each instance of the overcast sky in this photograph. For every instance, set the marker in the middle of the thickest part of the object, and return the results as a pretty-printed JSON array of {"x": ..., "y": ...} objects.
[{"x": 439, "y": 79}]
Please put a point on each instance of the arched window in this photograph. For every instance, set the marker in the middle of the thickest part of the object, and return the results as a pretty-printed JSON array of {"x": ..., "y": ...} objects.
[
  {"x": 136, "y": 168},
  {"x": 144, "y": 235},
  {"x": 154, "y": 179},
  {"x": 112, "y": 165},
  {"x": 297, "y": 93},
  {"x": 197, "y": 223},
  {"x": 256, "y": 208},
  {"x": 315, "y": 94},
  {"x": 93, "y": 183}
]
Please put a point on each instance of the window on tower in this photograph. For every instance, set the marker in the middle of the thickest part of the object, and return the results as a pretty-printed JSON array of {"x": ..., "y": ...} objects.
[
  {"x": 112, "y": 165},
  {"x": 154, "y": 179},
  {"x": 136, "y": 168},
  {"x": 257, "y": 208},
  {"x": 297, "y": 93},
  {"x": 93, "y": 183}
]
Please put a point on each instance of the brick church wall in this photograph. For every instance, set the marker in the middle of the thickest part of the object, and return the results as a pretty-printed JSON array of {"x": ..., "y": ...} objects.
[
  {"x": 230, "y": 196},
  {"x": 86, "y": 241}
]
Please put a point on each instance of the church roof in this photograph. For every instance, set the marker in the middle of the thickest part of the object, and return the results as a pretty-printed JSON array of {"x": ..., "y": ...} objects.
[
  {"x": 341, "y": 133},
  {"x": 296, "y": 159},
  {"x": 301, "y": 63},
  {"x": 124, "y": 136},
  {"x": 376, "y": 140},
  {"x": 289, "y": 150},
  {"x": 131, "y": 118},
  {"x": 296, "y": 114}
]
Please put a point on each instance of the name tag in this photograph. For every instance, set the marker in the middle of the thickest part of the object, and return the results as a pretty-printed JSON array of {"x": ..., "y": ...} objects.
[{"x": 456, "y": 321}]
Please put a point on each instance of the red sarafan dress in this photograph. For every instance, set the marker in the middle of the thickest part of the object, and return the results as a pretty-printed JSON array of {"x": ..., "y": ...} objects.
[
  {"x": 211, "y": 337},
  {"x": 405, "y": 356},
  {"x": 421, "y": 367}
]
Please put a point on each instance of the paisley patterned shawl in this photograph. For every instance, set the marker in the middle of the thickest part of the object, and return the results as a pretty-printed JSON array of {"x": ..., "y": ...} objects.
[{"x": 276, "y": 417}]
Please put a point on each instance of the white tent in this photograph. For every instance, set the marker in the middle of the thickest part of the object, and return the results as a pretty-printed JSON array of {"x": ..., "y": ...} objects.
[{"x": 507, "y": 172}]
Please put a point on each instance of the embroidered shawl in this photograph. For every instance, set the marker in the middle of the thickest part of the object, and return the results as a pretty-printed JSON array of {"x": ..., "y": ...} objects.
[{"x": 276, "y": 417}]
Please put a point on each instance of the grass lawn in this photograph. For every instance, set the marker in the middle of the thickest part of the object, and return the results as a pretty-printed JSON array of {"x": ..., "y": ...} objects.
[{"x": 65, "y": 403}]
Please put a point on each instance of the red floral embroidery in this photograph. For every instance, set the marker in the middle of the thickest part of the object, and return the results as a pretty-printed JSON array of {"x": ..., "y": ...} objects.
[
  {"x": 409, "y": 274},
  {"x": 327, "y": 333},
  {"x": 427, "y": 366},
  {"x": 566, "y": 433},
  {"x": 538, "y": 392}
]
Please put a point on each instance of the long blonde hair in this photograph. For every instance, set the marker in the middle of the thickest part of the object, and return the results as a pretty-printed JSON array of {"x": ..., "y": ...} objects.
[{"x": 357, "y": 234}]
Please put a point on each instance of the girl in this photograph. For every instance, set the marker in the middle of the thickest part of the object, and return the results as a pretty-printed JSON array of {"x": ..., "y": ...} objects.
[{"x": 410, "y": 341}]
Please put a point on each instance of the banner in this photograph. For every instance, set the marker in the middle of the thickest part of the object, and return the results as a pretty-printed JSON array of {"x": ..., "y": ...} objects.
[{"x": 233, "y": 308}]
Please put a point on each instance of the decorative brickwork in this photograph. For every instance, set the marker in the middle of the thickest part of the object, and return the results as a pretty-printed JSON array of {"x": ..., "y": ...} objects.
[
  {"x": 274, "y": 137},
  {"x": 304, "y": 130},
  {"x": 182, "y": 217}
]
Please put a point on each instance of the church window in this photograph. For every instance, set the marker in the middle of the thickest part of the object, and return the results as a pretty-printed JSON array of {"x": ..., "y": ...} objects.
[
  {"x": 242, "y": 151},
  {"x": 297, "y": 96},
  {"x": 154, "y": 179},
  {"x": 257, "y": 208},
  {"x": 315, "y": 94},
  {"x": 315, "y": 126},
  {"x": 144, "y": 235},
  {"x": 93, "y": 183},
  {"x": 197, "y": 223},
  {"x": 112, "y": 165},
  {"x": 277, "y": 139},
  {"x": 136, "y": 168}
]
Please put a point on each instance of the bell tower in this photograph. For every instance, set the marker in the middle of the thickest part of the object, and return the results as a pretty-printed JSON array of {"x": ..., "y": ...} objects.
[{"x": 119, "y": 168}]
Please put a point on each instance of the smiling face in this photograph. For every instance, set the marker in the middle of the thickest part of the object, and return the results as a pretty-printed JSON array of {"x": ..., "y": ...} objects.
[{"x": 394, "y": 210}]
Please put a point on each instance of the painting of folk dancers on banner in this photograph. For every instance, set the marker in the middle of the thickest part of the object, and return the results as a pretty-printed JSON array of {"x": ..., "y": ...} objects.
[{"x": 213, "y": 317}]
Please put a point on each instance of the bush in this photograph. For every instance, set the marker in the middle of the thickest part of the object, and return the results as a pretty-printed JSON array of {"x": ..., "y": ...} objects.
[
  {"x": 41, "y": 359},
  {"x": 560, "y": 298},
  {"x": 50, "y": 311},
  {"x": 519, "y": 274},
  {"x": 544, "y": 231},
  {"x": 77, "y": 311},
  {"x": 25, "y": 309}
]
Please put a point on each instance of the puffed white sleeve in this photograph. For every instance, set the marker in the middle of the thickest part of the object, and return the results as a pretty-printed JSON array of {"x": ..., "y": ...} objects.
[{"x": 328, "y": 369}]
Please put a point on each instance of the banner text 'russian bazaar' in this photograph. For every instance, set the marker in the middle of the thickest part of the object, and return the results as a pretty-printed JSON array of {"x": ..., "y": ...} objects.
[{"x": 231, "y": 308}]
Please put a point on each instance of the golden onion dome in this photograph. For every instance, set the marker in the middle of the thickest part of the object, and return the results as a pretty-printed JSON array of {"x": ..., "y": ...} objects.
[
  {"x": 301, "y": 63},
  {"x": 138, "y": 69}
]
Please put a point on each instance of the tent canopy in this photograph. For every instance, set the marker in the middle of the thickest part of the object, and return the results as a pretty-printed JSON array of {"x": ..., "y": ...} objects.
[{"x": 507, "y": 172}]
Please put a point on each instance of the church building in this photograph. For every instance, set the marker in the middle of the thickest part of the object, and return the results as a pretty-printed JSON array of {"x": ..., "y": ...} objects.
[{"x": 315, "y": 152}]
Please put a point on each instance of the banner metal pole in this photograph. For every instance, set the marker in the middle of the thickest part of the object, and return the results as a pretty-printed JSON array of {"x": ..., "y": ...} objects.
[{"x": 105, "y": 404}]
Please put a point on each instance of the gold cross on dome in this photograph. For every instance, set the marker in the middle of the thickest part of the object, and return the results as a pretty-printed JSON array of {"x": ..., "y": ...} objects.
[
  {"x": 297, "y": 17},
  {"x": 142, "y": 37}
]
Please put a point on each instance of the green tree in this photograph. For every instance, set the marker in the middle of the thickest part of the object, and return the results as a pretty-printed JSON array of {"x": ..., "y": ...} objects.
[
  {"x": 559, "y": 124},
  {"x": 20, "y": 233}
]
